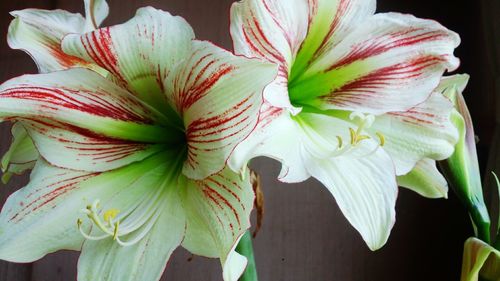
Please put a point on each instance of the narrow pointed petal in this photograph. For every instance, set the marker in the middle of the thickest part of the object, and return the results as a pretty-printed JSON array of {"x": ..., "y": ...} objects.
[
  {"x": 218, "y": 214},
  {"x": 41, "y": 217},
  {"x": 329, "y": 23},
  {"x": 271, "y": 30},
  {"x": 146, "y": 260},
  {"x": 480, "y": 262},
  {"x": 21, "y": 155},
  {"x": 391, "y": 62},
  {"x": 40, "y": 32},
  {"x": 364, "y": 186},
  {"x": 219, "y": 96},
  {"x": 276, "y": 136},
  {"x": 81, "y": 99},
  {"x": 139, "y": 53},
  {"x": 96, "y": 11},
  {"x": 426, "y": 180},
  {"x": 424, "y": 131}
]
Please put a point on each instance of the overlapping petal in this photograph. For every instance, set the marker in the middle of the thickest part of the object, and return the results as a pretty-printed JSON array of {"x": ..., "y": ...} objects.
[
  {"x": 139, "y": 53},
  {"x": 276, "y": 136},
  {"x": 80, "y": 98},
  {"x": 79, "y": 114},
  {"x": 219, "y": 104},
  {"x": 164, "y": 230},
  {"x": 40, "y": 32},
  {"x": 218, "y": 211},
  {"x": 41, "y": 217},
  {"x": 364, "y": 186},
  {"x": 21, "y": 155},
  {"x": 78, "y": 149},
  {"x": 96, "y": 12},
  {"x": 329, "y": 22},
  {"x": 272, "y": 30},
  {"x": 425, "y": 179},
  {"x": 391, "y": 62},
  {"x": 424, "y": 131}
]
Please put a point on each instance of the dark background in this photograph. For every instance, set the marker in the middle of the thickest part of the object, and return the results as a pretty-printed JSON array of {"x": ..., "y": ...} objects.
[{"x": 305, "y": 237}]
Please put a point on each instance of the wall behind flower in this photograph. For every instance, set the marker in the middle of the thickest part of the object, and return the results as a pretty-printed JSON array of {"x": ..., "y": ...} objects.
[{"x": 305, "y": 237}]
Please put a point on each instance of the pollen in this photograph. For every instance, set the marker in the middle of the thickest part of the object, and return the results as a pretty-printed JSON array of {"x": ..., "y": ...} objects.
[{"x": 110, "y": 214}]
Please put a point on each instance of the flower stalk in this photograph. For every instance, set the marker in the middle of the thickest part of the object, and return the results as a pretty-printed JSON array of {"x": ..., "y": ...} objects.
[{"x": 245, "y": 248}]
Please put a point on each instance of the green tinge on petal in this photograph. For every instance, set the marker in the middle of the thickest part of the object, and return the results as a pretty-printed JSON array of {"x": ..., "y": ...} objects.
[
  {"x": 480, "y": 261},
  {"x": 147, "y": 258},
  {"x": 218, "y": 213},
  {"x": 21, "y": 155},
  {"x": 41, "y": 217},
  {"x": 462, "y": 168},
  {"x": 426, "y": 180},
  {"x": 96, "y": 11}
]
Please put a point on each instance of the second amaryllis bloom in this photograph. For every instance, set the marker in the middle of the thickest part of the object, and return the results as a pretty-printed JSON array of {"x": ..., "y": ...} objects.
[
  {"x": 353, "y": 105},
  {"x": 133, "y": 155}
]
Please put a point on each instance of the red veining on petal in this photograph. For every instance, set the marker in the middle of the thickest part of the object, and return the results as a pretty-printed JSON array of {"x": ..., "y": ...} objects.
[
  {"x": 374, "y": 83},
  {"x": 216, "y": 196},
  {"x": 79, "y": 101},
  {"x": 55, "y": 190},
  {"x": 384, "y": 43}
]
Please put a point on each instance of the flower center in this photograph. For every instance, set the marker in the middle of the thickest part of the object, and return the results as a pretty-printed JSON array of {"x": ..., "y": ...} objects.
[{"x": 125, "y": 222}]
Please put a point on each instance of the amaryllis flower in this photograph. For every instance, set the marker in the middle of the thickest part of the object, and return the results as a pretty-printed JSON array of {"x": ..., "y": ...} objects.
[
  {"x": 353, "y": 105},
  {"x": 40, "y": 33},
  {"x": 133, "y": 162}
]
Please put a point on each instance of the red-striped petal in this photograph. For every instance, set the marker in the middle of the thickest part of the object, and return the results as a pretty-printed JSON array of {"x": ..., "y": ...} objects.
[
  {"x": 218, "y": 96},
  {"x": 139, "y": 53}
]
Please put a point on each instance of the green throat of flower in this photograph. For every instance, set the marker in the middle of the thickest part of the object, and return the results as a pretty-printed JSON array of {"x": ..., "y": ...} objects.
[{"x": 128, "y": 225}]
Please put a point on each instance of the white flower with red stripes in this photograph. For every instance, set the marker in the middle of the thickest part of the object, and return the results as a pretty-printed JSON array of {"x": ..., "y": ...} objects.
[
  {"x": 353, "y": 105},
  {"x": 134, "y": 124}
]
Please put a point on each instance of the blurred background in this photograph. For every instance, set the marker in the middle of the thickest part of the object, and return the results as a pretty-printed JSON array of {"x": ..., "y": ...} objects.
[{"x": 305, "y": 236}]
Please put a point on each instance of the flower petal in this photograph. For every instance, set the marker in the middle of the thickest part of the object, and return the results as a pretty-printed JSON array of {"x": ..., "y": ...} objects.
[
  {"x": 424, "y": 131},
  {"x": 81, "y": 99},
  {"x": 96, "y": 11},
  {"x": 272, "y": 30},
  {"x": 41, "y": 217},
  {"x": 139, "y": 53},
  {"x": 147, "y": 259},
  {"x": 426, "y": 180},
  {"x": 77, "y": 149},
  {"x": 21, "y": 155},
  {"x": 480, "y": 261},
  {"x": 218, "y": 214},
  {"x": 276, "y": 136},
  {"x": 39, "y": 33},
  {"x": 329, "y": 22},
  {"x": 364, "y": 186},
  {"x": 219, "y": 96},
  {"x": 390, "y": 62}
]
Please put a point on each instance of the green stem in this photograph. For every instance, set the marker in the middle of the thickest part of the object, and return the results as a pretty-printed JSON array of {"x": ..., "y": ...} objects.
[
  {"x": 481, "y": 221},
  {"x": 245, "y": 248}
]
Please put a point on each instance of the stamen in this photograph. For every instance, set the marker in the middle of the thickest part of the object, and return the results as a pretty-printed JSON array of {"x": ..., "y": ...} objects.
[
  {"x": 339, "y": 138},
  {"x": 110, "y": 214},
  {"x": 381, "y": 138},
  {"x": 135, "y": 222}
]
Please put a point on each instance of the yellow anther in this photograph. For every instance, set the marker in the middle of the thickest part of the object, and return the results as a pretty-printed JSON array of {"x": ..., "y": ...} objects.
[
  {"x": 110, "y": 214},
  {"x": 356, "y": 136},
  {"x": 361, "y": 138},
  {"x": 353, "y": 136},
  {"x": 79, "y": 222},
  {"x": 115, "y": 231},
  {"x": 381, "y": 138},
  {"x": 340, "y": 141}
]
